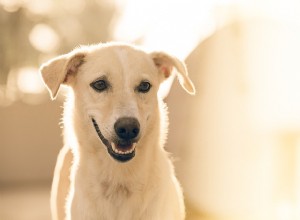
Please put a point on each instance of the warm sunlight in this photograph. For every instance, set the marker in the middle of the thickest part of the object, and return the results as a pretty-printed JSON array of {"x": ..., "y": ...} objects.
[
  {"x": 236, "y": 143},
  {"x": 177, "y": 27}
]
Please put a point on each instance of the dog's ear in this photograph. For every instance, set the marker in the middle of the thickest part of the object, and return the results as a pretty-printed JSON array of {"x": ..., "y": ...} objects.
[
  {"x": 165, "y": 64},
  {"x": 60, "y": 70}
]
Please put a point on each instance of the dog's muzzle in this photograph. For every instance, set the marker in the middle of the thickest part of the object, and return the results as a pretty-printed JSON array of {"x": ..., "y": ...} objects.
[{"x": 122, "y": 148}]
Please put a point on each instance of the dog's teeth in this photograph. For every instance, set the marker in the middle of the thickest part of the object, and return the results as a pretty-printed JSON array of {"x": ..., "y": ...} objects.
[
  {"x": 116, "y": 150},
  {"x": 133, "y": 148},
  {"x": 113, "y": 146}
]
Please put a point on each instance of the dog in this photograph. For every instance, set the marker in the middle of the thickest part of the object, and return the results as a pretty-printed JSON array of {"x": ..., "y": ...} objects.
[{"x": 113, "y": 165}]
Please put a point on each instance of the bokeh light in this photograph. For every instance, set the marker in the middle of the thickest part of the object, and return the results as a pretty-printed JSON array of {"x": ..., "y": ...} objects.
[
  {"x": 43, "y": 38},
  {"x": 29, "y": 81}
]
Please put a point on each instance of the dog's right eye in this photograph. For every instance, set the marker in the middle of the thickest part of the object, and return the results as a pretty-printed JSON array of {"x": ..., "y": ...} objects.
[{"x": 99, "y": 85}]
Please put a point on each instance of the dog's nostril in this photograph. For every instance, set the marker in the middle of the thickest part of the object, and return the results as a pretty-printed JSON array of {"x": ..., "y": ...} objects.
[
  {"x": 121, "y": 131},
  {"x": 127, "y": 128},
  {"x": 136, "y": 130}
]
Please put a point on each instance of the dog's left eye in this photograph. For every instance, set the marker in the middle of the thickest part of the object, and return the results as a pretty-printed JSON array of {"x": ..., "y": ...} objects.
[
  {"x": 144, "y": 87},
  {"x": 99, "y": 85}
]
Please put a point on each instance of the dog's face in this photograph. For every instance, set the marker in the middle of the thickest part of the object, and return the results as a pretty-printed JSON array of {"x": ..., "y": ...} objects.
[{"x": 115, "y": 89}]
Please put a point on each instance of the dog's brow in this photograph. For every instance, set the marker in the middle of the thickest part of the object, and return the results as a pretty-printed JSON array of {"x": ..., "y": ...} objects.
[
  {"x": 102, "y": 77},
  {"x": 144, "y": 79}
]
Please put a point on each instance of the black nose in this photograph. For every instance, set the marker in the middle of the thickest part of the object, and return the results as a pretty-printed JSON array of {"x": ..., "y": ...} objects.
[{"x": 127, "y": 128}]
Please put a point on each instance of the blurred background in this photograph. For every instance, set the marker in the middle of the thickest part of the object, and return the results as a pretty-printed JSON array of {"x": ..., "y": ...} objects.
[{"x": 236, "y": 143}]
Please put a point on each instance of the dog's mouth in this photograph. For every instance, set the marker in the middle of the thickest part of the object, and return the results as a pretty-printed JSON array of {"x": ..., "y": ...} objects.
[{"x": 121, "y": 151}]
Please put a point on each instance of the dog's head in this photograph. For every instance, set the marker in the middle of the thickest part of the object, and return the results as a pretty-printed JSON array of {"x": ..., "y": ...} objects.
[{"x": 115, "y": 91}]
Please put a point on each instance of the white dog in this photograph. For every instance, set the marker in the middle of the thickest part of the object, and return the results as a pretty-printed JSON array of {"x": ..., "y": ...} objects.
[{"x": 113, "y": 165}]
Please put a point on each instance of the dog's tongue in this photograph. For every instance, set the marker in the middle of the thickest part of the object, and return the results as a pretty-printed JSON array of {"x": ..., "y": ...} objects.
[{"x": 123, "y": 149}]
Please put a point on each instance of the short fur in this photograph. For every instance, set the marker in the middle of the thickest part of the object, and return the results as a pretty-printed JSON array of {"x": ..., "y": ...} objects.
[{"x": 88, "y": 183}]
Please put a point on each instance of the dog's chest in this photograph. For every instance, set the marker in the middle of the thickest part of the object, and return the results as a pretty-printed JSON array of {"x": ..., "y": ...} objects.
[
  {"x": 114, "y": 192},
  {"x": 111, "y": 201}
]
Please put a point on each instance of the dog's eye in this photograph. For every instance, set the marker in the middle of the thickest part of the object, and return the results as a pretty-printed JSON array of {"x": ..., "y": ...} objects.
[
  {"x": 144, "y": 87},
  {"x": 99, "y": 85}
]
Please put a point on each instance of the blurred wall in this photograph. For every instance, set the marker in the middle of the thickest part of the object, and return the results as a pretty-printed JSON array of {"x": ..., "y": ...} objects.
[
  {"x": 30, "y": 141},
  {"x": 237, "y": 140}
]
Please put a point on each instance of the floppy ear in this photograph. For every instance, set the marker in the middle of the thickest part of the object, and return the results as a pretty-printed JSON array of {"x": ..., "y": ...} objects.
[
  {"x": 59, "y": 70},
  {"x": 165, "y": 63}
]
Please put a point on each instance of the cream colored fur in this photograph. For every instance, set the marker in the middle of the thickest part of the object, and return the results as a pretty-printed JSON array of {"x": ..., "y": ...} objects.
[{"x": 88, "y": 183}]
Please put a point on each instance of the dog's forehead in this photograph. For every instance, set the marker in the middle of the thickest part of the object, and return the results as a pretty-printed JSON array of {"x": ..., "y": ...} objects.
[{"x": 120, "y": 59}]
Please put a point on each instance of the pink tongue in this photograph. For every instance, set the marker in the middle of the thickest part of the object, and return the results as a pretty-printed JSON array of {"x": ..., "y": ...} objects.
[{"x": 124, "y": 148}]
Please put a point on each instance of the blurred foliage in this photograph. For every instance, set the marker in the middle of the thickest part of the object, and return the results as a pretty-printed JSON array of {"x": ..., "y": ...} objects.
[{"x": 73, "y": 22}]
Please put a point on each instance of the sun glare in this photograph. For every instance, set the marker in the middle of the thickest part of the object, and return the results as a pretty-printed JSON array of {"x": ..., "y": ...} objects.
[{"x": 177, "y": 26}]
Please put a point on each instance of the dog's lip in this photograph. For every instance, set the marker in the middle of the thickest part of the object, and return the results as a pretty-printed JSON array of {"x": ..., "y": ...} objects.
[{"x": 121, "y": 152}]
